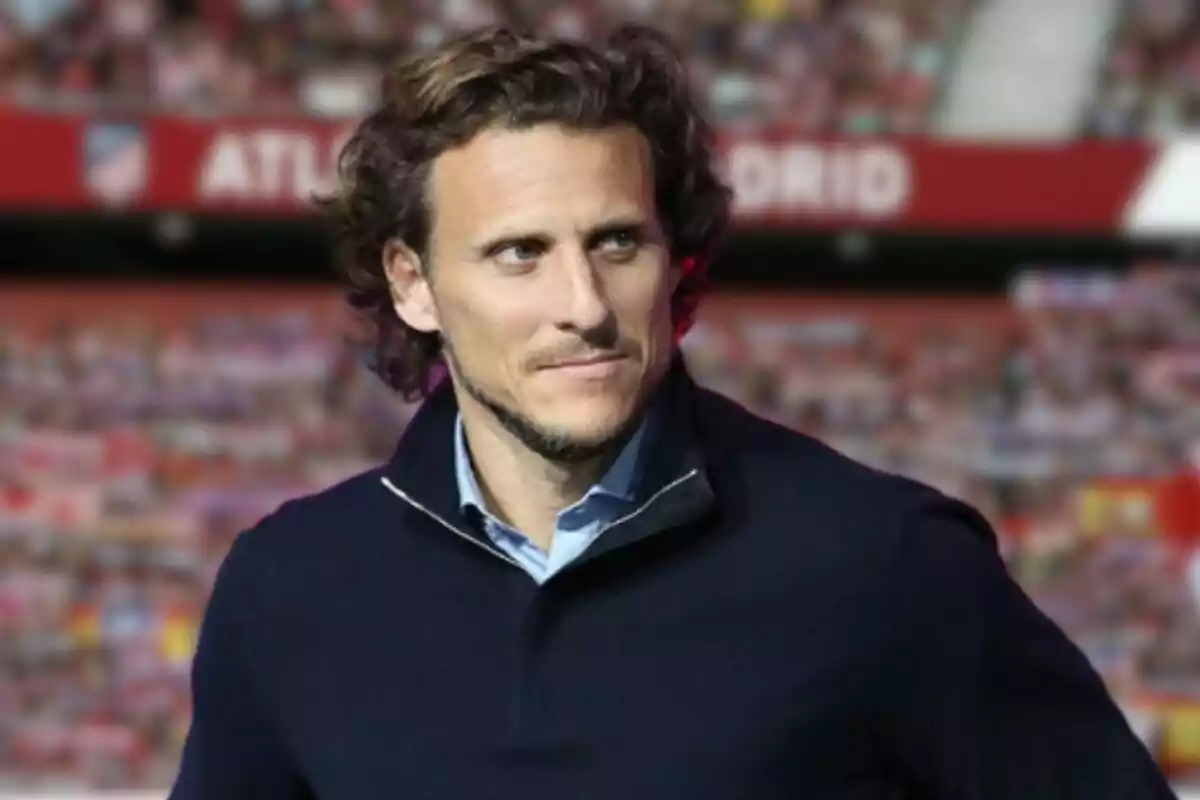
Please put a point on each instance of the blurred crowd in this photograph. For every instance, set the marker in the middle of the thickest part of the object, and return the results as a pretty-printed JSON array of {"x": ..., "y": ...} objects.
[
  {"x": 1151, "y": 82},
  {"x": 815, "y": 66},
  {"x": 861, "y": 66},
  {"x": 131, "y": 455}
]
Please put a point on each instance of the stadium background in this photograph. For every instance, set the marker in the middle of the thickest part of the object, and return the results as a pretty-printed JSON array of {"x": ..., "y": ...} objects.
[{"x": 964, "y": 251}]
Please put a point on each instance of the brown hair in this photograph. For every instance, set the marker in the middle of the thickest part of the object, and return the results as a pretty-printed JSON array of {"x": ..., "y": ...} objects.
[{"x": 498, "y": 77}]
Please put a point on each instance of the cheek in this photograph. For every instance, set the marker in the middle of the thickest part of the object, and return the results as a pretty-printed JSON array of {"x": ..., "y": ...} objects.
[
  {"x": 486, "y": 334},
  {"x": 646, "y": 300}
]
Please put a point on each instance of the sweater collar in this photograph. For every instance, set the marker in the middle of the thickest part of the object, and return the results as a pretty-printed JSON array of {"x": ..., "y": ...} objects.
[{"x": 671, "y": 489}]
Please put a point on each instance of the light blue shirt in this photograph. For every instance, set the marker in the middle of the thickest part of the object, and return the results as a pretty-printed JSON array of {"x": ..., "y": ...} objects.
[{"x": 577, "y": 525}]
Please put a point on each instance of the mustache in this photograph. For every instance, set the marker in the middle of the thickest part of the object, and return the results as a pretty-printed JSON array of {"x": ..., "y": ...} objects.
[
  {"x": 583, "y": 352},
  {"x": 605, "y": 340}
]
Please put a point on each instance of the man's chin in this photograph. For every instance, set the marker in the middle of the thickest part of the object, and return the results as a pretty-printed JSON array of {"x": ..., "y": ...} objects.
[
  {"x": 587, "y": 436},
  {"x": 583, "y": 428},
  {"x": 578, "y": 439}
]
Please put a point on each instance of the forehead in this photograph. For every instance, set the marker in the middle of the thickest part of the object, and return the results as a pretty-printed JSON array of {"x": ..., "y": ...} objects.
[{"x": 542, "y": 178}]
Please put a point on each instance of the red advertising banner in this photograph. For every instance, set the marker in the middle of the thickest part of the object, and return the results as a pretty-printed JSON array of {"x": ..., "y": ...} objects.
[
  {"x": 57, "y": 163},
  {"x": 932, "y": 185},
  {"x": 273, "y": 167}
]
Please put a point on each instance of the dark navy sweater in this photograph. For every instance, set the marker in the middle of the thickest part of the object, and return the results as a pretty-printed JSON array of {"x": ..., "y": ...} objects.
[{"x": 773, "y": 621}]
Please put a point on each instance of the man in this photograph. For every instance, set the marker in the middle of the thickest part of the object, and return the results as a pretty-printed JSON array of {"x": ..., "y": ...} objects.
[{"x": 581, "y": 576}]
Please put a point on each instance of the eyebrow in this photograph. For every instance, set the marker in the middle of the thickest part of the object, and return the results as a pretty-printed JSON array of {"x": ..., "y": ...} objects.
[{"x": 620, "y": 224}]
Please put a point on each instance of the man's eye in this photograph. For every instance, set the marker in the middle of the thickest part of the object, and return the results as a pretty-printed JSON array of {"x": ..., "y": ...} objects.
[
  {"x": 619, "y": 244},
  {"x": 519, "y": 254}
]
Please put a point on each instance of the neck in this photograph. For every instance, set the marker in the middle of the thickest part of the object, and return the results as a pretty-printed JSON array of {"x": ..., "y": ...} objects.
[{"x": 522, "y": 488}]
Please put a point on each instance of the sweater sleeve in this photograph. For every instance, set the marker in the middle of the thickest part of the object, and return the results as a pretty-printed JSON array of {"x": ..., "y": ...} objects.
[
  {"x": 986, "y": 697},
  {"x": 233, "y": 750}
]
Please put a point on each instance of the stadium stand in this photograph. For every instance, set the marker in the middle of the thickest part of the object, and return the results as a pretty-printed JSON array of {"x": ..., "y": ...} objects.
[
  {"x": 844, "y": 66},
  {"x": 851, "y": 66},
  {"x": 1151, "y": 83}
]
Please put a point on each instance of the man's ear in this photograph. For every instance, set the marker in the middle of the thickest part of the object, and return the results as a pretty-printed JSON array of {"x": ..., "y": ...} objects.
[{"x": 411, "y": 293}]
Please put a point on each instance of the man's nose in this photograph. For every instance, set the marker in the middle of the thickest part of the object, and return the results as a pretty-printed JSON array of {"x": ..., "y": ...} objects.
[{"x": 584, "y": 302}]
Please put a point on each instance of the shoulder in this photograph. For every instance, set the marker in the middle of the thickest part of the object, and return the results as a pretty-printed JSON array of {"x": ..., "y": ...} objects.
[
  {"x": 309, "y": 531},
  {"x": 782, "y": 474},
  {"x": 796, "y": 468},
  {"x": 829, "y": 533}
]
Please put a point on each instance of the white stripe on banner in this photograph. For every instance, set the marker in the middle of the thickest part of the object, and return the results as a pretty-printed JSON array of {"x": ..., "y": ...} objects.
[{"x": 1168, "y": 201}]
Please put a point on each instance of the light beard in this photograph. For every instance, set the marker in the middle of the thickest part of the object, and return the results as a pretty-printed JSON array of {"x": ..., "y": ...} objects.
[{"x": 556, "y": 447}]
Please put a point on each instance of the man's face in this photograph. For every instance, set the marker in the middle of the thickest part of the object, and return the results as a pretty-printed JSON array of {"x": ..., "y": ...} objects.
[{"x": 550, "y": 282}]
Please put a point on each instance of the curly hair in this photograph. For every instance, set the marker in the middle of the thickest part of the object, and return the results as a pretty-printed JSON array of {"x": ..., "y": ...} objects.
[{"x": 500, "y": 77}]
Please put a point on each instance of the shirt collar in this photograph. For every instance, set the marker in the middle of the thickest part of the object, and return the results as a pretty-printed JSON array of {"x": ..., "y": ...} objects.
[
  {"x": 679, "y": 439},
  {"x": 620, "y": 481}
]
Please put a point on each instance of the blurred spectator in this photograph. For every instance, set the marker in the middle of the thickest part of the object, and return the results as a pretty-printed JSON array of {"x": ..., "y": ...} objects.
[
  {"x": 852, "y": 66},
  {"x": 1179, "y": 504},
  {"x": 1151, "y": 83}
]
